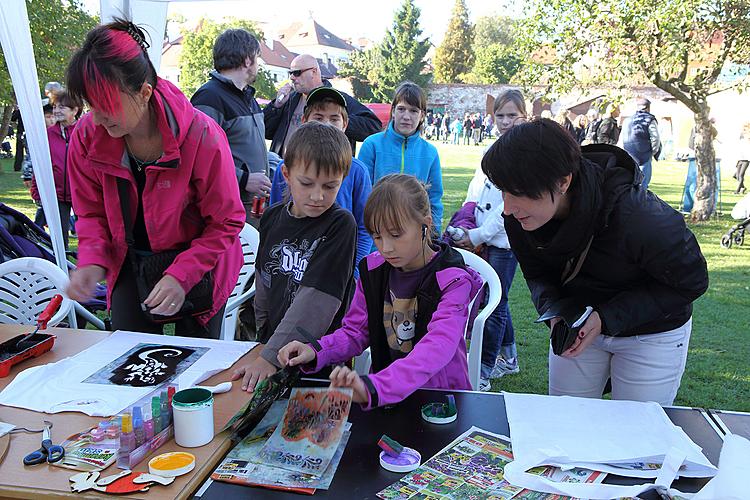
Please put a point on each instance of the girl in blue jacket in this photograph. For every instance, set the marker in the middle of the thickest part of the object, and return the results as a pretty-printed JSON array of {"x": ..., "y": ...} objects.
[{"x": 401, "y": 149}]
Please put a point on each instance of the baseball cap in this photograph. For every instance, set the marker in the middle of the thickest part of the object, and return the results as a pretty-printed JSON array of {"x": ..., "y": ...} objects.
[{"x": 321, "y": 93}]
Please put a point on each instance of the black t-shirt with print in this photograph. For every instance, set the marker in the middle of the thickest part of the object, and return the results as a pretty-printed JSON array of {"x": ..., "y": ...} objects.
[{"x": 316, "y": 252}]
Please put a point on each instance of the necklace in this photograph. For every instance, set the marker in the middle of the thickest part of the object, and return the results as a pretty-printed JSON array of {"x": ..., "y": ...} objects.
[{"x": 139, "y": 165}]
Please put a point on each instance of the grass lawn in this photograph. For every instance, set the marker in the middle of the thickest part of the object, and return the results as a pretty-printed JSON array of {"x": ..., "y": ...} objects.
[{"x": 718, "y": 367}]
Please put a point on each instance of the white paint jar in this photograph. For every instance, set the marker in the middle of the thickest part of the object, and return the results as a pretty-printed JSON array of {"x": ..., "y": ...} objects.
[{"x": 193, "y": 417}]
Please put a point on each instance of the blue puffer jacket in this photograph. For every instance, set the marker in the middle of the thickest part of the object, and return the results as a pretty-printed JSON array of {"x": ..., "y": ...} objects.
[{"x": 389, "y": 152}]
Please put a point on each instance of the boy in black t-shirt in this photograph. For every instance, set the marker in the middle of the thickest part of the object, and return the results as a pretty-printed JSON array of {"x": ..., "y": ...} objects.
[{"x": 305, "y": 262}]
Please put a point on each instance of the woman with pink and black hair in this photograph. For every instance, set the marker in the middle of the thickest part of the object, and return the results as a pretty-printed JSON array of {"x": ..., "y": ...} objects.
[{"x": 173, "y": 165}]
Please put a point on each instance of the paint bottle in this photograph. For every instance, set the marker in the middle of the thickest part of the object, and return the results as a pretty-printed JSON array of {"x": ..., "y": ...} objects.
[
  {"x": 165, "y": 417},
  {"x": 156, "y": 413},
  {"x": 138, "y": 426},
  {"x": 148, "y": 424},
  {"x": 170, "y": 393},
  {"x": 127, "y": 440}
]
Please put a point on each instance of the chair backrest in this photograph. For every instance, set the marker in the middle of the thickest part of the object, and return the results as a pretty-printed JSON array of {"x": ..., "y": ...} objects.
[
  {"x": 26, "y": 287},
  {"x": 250, "y": 239},
  {"x": 495, "y": 291}
]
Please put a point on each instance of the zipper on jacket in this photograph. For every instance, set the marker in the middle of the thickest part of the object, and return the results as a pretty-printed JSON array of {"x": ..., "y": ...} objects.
[
  {"x": 65, "y": 165},
  {"x": 403, "y": 153}
]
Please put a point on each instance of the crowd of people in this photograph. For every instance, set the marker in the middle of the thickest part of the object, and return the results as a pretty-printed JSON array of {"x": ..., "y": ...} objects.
[{"x": 351, "y": 254}]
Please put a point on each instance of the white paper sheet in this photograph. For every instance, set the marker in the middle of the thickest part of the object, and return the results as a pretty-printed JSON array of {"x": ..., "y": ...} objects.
[
  {"x": 589, "y": 433},
  {"x": 6, "y": 428},
  {"x": 59, "y": 386}
]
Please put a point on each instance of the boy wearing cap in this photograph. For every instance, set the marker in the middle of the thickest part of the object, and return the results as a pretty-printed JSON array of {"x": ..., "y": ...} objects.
[{"x": 328, "y": 105}]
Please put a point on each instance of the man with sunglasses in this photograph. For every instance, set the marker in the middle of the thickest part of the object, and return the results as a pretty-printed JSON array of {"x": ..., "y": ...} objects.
[{"x": 283, "y": 115}]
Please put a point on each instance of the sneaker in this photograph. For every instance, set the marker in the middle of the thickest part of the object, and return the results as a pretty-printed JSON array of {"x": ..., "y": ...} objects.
[
  {"x": 484, "y": 385},
  {"x": 504, "y": 367}
]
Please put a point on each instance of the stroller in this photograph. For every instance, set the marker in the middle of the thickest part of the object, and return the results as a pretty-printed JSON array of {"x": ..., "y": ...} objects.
[
  {"x": 20, "y": 237},
  {"x": 736, "y": 234}
]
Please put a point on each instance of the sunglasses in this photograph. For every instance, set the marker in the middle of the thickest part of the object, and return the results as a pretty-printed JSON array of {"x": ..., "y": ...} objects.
[{"x": 298, "y": 72}]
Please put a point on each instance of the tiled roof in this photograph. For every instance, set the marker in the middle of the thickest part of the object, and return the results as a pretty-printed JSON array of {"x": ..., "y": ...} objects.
[{"x": 309, "y": 32}]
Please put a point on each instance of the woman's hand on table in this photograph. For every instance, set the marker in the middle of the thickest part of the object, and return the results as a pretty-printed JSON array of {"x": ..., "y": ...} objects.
[
  {"x": 83, "y": 282},
  {"x": 591, "y": 329},
  {"x": 342, "y": 376},
  {"x": 166, "y": 298},
  {"x": 253, "y": 372},
  {"x": 296, "y": 353}
]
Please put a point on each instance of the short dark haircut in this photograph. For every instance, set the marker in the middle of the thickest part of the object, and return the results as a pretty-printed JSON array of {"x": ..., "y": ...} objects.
[
  {"x": 113, "y": 58},
  {"x": 530, "y": 159},
  {"x": 321, "y": 145},
  {"x": 47, "y": 109},
  {"x": 413, "y": 95},
  {"x": 233, "y": 47}
]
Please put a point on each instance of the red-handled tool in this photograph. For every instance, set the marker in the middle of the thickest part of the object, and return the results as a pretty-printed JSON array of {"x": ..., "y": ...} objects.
[{"x": 43, "y": 319}]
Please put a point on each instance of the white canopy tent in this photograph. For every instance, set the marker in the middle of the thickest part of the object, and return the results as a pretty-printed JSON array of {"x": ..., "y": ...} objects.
[{"x": 19, "y": 56}]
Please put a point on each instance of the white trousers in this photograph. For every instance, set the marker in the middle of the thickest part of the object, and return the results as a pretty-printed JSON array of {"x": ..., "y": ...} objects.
[{"x": 642, "y": 368}]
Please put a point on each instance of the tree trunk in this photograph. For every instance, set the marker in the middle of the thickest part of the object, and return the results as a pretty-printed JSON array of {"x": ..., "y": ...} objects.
[
  {"x": 705, "y": 157},
  {"x": 7, "y": 112}
]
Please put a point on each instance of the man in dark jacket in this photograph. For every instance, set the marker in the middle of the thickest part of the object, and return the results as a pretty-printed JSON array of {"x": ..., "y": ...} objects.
[
  {"x": 283, "y": 115},
  {"x": 641, "y": 138},
  {"x": 229, "y": 99},
  {"x": 587, "y": 235}
]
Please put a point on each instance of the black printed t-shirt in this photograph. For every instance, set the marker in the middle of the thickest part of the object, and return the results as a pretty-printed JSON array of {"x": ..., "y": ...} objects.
[{"x": 316, "y": 252}]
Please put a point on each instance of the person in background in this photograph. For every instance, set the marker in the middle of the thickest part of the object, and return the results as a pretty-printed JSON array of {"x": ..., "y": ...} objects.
[
  {"x": 666, "y": 135},
  {"x": 563, "y": 118},
  {"x": 401, "y": 149},
  {"x": 609, "y": 131},
  {"x": 304, "y": 270},
  {"x": 172, "y": 165},
  {"x": 742, "y": 164},
  {"x": 410, "y": 307},
  {"x": 283, "y": 115},
  {"x": 229, "y": 98},
  {"x": 476, "y": 129},
  {"x": 66, "y": 109},
  {"x": 327, "y": 105},
  {"x": 466, "y": 128},
  {"x": 499, "y": 353},
  {"x": 640, "y": 138},
  {"x": 581, "y": 123},
  {"x": 594, "y": 120},
  {"x": 457, "y": 128},
  {"x": 27, "y": 171},
  {"x": 585, "y": 233}
]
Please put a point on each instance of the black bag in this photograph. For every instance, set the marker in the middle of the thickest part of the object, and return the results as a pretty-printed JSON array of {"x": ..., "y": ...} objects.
[{"x": 149, "y": 269}]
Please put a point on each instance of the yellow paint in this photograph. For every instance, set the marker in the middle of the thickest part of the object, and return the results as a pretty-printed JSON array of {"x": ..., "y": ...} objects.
[{"x": 172, "y": 461}]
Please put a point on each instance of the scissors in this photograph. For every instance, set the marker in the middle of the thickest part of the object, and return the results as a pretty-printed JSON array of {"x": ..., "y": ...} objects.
[{"x": 49, "y": 452}]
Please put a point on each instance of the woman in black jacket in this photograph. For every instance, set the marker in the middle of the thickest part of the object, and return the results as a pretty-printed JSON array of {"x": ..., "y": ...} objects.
[{"x": 586, "y": 234}]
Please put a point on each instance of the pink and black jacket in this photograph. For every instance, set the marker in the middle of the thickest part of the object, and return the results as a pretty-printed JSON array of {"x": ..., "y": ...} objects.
[
  {"x": 438, "y": 359},
  {"x": 190, "y": 202}
]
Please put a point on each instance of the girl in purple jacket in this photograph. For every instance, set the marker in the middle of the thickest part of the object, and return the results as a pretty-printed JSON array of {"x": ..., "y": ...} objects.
[{"x": 411, "y": 306}]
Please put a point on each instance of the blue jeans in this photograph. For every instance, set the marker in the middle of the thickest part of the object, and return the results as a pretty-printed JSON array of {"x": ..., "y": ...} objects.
[
  {"x": 498, "y": 330},
  {"x": 691, "y": 184},
  {"x": 646, "y": 169}
]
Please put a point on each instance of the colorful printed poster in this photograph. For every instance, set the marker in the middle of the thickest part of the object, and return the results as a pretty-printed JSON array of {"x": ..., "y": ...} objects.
[
  {"x": 471, "y": 468},
  {"x": 310, "y": 431}
]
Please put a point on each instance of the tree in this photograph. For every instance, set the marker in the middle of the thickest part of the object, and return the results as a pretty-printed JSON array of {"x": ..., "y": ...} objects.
[
  {"x": 680, "y": 46},
  {"x": 402, "y": 54},
  {"x": 491, "y": 30},
  {"x": 58, "y": 28},
  {"x": 455, "y": 57},
  {"x": 196, "y": 59},
  {"x": 362, "y": 70},
  {"x": 494, "y": 64}
]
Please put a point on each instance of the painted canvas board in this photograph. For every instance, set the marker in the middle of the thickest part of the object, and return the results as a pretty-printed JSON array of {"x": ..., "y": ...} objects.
[
  {"x": 310, "y": 431},
  {"x": 147, "y": 365},
  {"x": 241, "y": 464},
  {"x": 472, "y": 467}
]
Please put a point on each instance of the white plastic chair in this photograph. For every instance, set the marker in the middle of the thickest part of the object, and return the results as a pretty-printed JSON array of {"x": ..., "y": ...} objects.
[
  {"x": 27, "y": 285},
  {"x": 250, "y": 239},
  {"x": 495, "y": 291}
]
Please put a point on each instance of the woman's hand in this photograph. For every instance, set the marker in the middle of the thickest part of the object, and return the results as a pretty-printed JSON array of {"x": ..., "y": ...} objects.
[
  {"x": 254, "y": 372},
  {"x": 591, "y": 329},
  {"x": 296, "y": 353},
  {"x": 83, "y": 281},
  {"x": 342, "y": 376},
  {"x": 166, "y": 298},
  {"x": 465, "y": 242}
]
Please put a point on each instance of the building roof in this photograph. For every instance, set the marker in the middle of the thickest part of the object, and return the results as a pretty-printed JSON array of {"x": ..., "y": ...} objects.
[
  {"x": 278, "y": 55},
  {"x": 309, "y": 32}
]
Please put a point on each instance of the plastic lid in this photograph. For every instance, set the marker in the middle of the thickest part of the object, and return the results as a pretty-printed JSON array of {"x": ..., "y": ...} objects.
[
  {"x": 172, "y": 464},
  {"x": 407, "y": 461}
]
